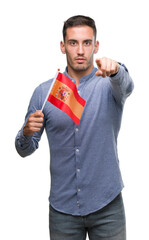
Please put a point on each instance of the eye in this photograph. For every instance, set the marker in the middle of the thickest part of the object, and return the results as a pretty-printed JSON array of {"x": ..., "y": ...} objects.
[
  {"x": 73, "y": 43},
  {"x": 87, "y": 43}
]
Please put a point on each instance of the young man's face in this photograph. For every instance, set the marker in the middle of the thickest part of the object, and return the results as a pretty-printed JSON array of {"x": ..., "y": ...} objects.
[{"x": 80, "y": 47}]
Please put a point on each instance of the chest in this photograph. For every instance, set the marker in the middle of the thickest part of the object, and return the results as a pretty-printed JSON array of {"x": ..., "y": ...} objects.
[{"x": 100, "y": 107}]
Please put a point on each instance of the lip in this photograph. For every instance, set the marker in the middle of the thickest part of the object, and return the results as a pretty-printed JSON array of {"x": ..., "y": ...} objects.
[{"x": 80, "y": 60}]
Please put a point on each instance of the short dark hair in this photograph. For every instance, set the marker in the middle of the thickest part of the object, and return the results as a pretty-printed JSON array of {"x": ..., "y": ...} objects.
[{"x": 79, "y": 20}]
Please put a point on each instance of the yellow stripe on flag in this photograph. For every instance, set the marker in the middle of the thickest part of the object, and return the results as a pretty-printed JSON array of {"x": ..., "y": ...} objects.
[{"x": 70, "y": 99}]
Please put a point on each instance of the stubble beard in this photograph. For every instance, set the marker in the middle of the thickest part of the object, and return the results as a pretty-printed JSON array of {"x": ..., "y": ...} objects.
[{"x": 80, "y": 67}]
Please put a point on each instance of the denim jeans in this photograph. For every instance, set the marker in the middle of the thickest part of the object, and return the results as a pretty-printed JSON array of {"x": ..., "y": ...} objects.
[{"x": 107, "y": 223}]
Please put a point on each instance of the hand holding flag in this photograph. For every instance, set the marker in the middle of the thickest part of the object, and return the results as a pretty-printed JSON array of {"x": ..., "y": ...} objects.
[{"x": 34, "y": 123}]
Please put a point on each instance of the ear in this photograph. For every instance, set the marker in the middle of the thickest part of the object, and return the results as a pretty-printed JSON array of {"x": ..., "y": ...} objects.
[
  {"x": 62, "y": 46},
  {"x": 96, "y": 47}
]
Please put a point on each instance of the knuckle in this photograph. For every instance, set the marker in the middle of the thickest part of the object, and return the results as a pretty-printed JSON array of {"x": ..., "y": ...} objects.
[
  {"x": 41, "y": 119},
  {"x": 30, "y": 119},
  {"x": 30, "y": 124},
  {"x": 40, "y": 125},
  {"x": 108, "y": 71},
  {"x": 102, "y": 69},
  {"x": 113, "y": 70}
]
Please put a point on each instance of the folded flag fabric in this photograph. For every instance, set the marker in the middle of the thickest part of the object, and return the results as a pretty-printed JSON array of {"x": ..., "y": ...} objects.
[{"x": 64, "y": 95}]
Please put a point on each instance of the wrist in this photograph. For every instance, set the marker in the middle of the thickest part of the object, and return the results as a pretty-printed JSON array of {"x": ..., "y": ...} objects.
[
  {"x": 27, "y": 133},
  {"x": 114, "y": 74}
]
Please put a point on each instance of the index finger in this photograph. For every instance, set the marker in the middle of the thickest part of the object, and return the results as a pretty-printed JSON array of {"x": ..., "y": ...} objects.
[
  {"x": 98, "y": 62},
  {"x": 99, "y": 65}
]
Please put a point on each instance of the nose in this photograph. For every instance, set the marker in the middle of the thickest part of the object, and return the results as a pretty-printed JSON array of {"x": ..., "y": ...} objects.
[{"x": 80, "y": 49}]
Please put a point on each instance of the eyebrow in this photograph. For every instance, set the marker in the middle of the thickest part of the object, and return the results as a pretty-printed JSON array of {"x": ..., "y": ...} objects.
[{"x": 74, "y": 40}]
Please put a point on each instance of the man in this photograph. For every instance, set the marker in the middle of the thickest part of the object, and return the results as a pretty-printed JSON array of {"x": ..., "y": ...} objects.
[{"x": 86, "y": 182}]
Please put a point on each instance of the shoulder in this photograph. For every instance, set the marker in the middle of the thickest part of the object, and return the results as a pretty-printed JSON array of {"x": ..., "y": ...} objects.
[
  {"x": 42, "y": 89},
  {"x": 40, "y": 92},
  {"x": 45, "y": 85}
]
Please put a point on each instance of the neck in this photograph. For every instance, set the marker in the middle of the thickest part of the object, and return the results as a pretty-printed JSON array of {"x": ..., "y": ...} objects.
[{"x": 77, "y": 75}]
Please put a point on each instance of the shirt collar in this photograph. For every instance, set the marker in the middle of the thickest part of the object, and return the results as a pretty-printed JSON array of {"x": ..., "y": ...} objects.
[{"x": 84, "y": 78}]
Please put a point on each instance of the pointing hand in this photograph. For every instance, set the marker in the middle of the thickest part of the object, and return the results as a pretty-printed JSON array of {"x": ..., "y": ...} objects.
[{"x": 106, "y": 67}]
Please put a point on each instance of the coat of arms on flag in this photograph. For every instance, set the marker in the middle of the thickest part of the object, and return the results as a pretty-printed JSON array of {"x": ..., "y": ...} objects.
[{"x": 62, "y": 93}]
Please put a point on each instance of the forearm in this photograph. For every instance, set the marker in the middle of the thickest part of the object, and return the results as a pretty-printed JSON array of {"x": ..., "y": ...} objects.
[
  {"x": 34, "y": 125},
  {"x": 121, "y": 84}
]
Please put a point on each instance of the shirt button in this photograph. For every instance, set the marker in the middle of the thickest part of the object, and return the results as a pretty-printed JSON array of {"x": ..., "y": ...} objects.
[
  {"x": 77, "y": 150},
  {"x": 79, "y": 92},
  {"x": 79, "y": 189},
  {"x": 78, "y": 170}
]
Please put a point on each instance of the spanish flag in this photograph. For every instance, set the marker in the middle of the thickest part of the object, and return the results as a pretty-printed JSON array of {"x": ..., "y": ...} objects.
[{"x": 64, "y": 96}]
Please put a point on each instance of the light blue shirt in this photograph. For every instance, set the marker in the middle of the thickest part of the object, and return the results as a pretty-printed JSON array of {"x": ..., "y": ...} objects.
[{"x": 84, "y": 164}]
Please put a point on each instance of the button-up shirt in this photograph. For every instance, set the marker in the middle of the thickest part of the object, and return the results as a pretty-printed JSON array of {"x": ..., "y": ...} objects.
[{"x": 84, "y": 164}]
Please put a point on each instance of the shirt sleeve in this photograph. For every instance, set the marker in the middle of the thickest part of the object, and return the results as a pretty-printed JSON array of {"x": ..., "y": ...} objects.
[
  {"x": 121, "y": 84},
  {"x": 26, "y": 145}
]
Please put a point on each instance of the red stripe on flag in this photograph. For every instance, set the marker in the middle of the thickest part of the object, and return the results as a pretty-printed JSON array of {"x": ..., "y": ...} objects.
[
  {"x": 64, "y": 107},
  {"x": 62, "y": 78}
]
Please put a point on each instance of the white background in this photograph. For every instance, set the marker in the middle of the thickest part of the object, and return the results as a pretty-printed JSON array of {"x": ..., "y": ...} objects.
[{"x": 30, "y": 54}]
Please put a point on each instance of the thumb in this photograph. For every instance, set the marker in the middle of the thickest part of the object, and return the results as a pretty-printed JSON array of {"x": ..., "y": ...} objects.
[{"x": 38, "y": 113}]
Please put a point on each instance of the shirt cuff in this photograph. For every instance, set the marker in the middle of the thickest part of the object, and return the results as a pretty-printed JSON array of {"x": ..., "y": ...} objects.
[
  {"x": 116, "y": 77},
  {"x": 24, "y": 139}
]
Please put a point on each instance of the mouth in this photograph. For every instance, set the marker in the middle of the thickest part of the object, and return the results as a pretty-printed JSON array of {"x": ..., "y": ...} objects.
[{"x": 80, "y": 60}]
